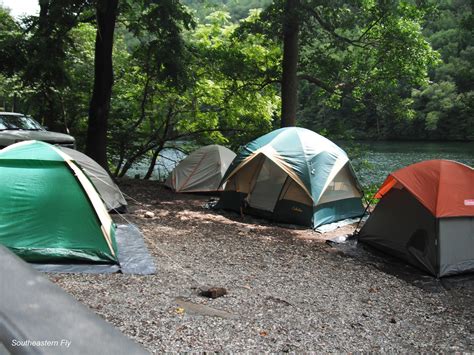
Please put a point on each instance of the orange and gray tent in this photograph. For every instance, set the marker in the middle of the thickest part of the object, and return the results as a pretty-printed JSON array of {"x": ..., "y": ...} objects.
[
  {"x": 108, "y": 190},
  {"x": 202, "y": 170},
  {"x": 293, "y": 175},
  {"x": 50, "y": 210},
  {"x": 426, "y": 217}
]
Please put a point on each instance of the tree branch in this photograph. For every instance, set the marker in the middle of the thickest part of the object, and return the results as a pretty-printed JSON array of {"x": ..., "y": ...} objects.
[
  {"x": 313, "y": 80},
  {"x": 330, "y": 28}
]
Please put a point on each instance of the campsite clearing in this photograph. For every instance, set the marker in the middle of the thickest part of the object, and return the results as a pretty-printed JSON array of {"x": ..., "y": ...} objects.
[{"x": 287, "y": 289}]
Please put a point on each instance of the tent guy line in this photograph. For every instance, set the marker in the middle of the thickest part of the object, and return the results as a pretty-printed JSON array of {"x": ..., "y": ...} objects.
[
  {"x": 123, "y": 193},
  {"x": 173, "y": 262}
]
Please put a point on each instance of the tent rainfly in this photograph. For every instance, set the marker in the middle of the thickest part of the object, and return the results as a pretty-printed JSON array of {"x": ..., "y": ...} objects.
[
  {"x": 108, "y": 190},
  {"x": 50, "y": 210},
  {"x": 426, "y": 217},
  {"x": 202, "y": 170},
  {"x": 293, "y": 175}
]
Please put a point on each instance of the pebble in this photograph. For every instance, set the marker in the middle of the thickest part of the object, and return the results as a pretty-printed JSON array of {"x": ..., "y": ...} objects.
[{"x": 149, "y": 214}]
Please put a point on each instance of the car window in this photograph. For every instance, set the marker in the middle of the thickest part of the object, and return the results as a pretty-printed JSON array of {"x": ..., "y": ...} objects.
[
  {"x": 3, "y": 123},
  {"x": 18, "y": 122},
  {"x": 32, "y": 124}
]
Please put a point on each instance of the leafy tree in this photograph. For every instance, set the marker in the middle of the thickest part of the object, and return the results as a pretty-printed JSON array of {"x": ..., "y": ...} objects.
[
  {"x": 445, "y": 105},
  {"x": 348, "y": 48},
  {"x": 44, "y": 72},
  {"x": 360, "y": 72},
  {"x": 76, "y": 96},
  {"x": 158, "y": 27},
  {"x": 227, "y": 98},
  {"x": 237, "y": 9},
  {"x": 12, "y": 51},
  {"x": 12, "y": 59}
]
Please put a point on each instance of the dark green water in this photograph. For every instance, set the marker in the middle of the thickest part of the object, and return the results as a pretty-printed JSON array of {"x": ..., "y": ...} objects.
[{"x": 375, "y": 160}]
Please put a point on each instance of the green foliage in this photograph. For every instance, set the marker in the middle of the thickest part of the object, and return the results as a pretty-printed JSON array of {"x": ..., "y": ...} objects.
[
  {"x": 12, "y": 51},
  {"x": 237, "y": 9},
  {"x": 408, "y": 106},
  {"x": 445, "y": 106},
  {"x": 47, "y": 42},
  {"x": 228, "y": 97},
  {"x": 157, "y": 26},
  {"x": 367, "y": 69},
  {"x": 76, "y": 96},
  {"x": 369, "y": 194},
  {"x": 358, "y": 61}
]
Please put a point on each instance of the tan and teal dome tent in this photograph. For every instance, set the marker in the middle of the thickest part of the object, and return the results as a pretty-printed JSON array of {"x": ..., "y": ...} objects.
[
  {"x": 202, "y": 170},
  {"x": 50, "y": 210},
  {"x": 293, "y": 175}
]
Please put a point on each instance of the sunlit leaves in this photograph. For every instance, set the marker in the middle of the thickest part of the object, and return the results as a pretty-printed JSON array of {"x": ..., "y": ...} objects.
[{"x": 229, "y": 96}]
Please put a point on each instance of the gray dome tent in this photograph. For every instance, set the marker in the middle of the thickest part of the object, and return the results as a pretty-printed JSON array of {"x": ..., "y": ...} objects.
[
  {"x": 108, "y": 190},
  {"x": 202, "y": 170}
]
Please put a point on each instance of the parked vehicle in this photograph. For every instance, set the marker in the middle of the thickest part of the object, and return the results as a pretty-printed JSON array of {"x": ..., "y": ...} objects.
[{"x": 17, "y": 127}]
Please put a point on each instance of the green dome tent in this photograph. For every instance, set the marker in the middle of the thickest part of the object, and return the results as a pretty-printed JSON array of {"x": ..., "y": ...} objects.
[
  {"x": 50, "y": 210},
  {"x": 293, "y": 175}
]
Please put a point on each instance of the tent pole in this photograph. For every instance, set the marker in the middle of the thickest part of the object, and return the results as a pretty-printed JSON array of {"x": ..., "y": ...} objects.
[{"x": 356, "y": 233}]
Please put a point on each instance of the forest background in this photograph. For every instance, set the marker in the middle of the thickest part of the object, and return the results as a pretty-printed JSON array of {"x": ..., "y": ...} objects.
[{"x": 130, "y": 78}]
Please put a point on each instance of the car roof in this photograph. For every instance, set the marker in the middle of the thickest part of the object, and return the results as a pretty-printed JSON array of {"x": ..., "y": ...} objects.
[{"x": 11, "y": 114}]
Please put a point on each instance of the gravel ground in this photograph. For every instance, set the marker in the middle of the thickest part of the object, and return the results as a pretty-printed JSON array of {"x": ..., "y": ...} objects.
[{"x": 288, "y": 291}]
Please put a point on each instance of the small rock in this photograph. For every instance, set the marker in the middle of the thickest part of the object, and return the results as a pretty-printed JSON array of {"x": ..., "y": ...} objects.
[{"x": 149, "y": 214}]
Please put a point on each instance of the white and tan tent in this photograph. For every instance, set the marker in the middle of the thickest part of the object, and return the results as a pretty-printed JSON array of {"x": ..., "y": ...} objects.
[
  {"x": 202, "y": 170},
  {"x": 108, "y": 190}
]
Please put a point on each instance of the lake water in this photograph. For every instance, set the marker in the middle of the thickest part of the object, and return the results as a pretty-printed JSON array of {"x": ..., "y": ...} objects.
[
  {"x": 373, "y": 161},
  {"x": 165, "y": 164}
]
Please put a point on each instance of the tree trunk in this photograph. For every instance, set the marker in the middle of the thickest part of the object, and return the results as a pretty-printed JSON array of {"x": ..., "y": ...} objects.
[
  {"x": 125, "y": 167},
  {"x": 151, "y": 167},
  {"x": 289, "y": 80},
  {"x": 119, "y": 165},
  {"x": 45, "y": 45},
  {"x": 96, "y": 142}
]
